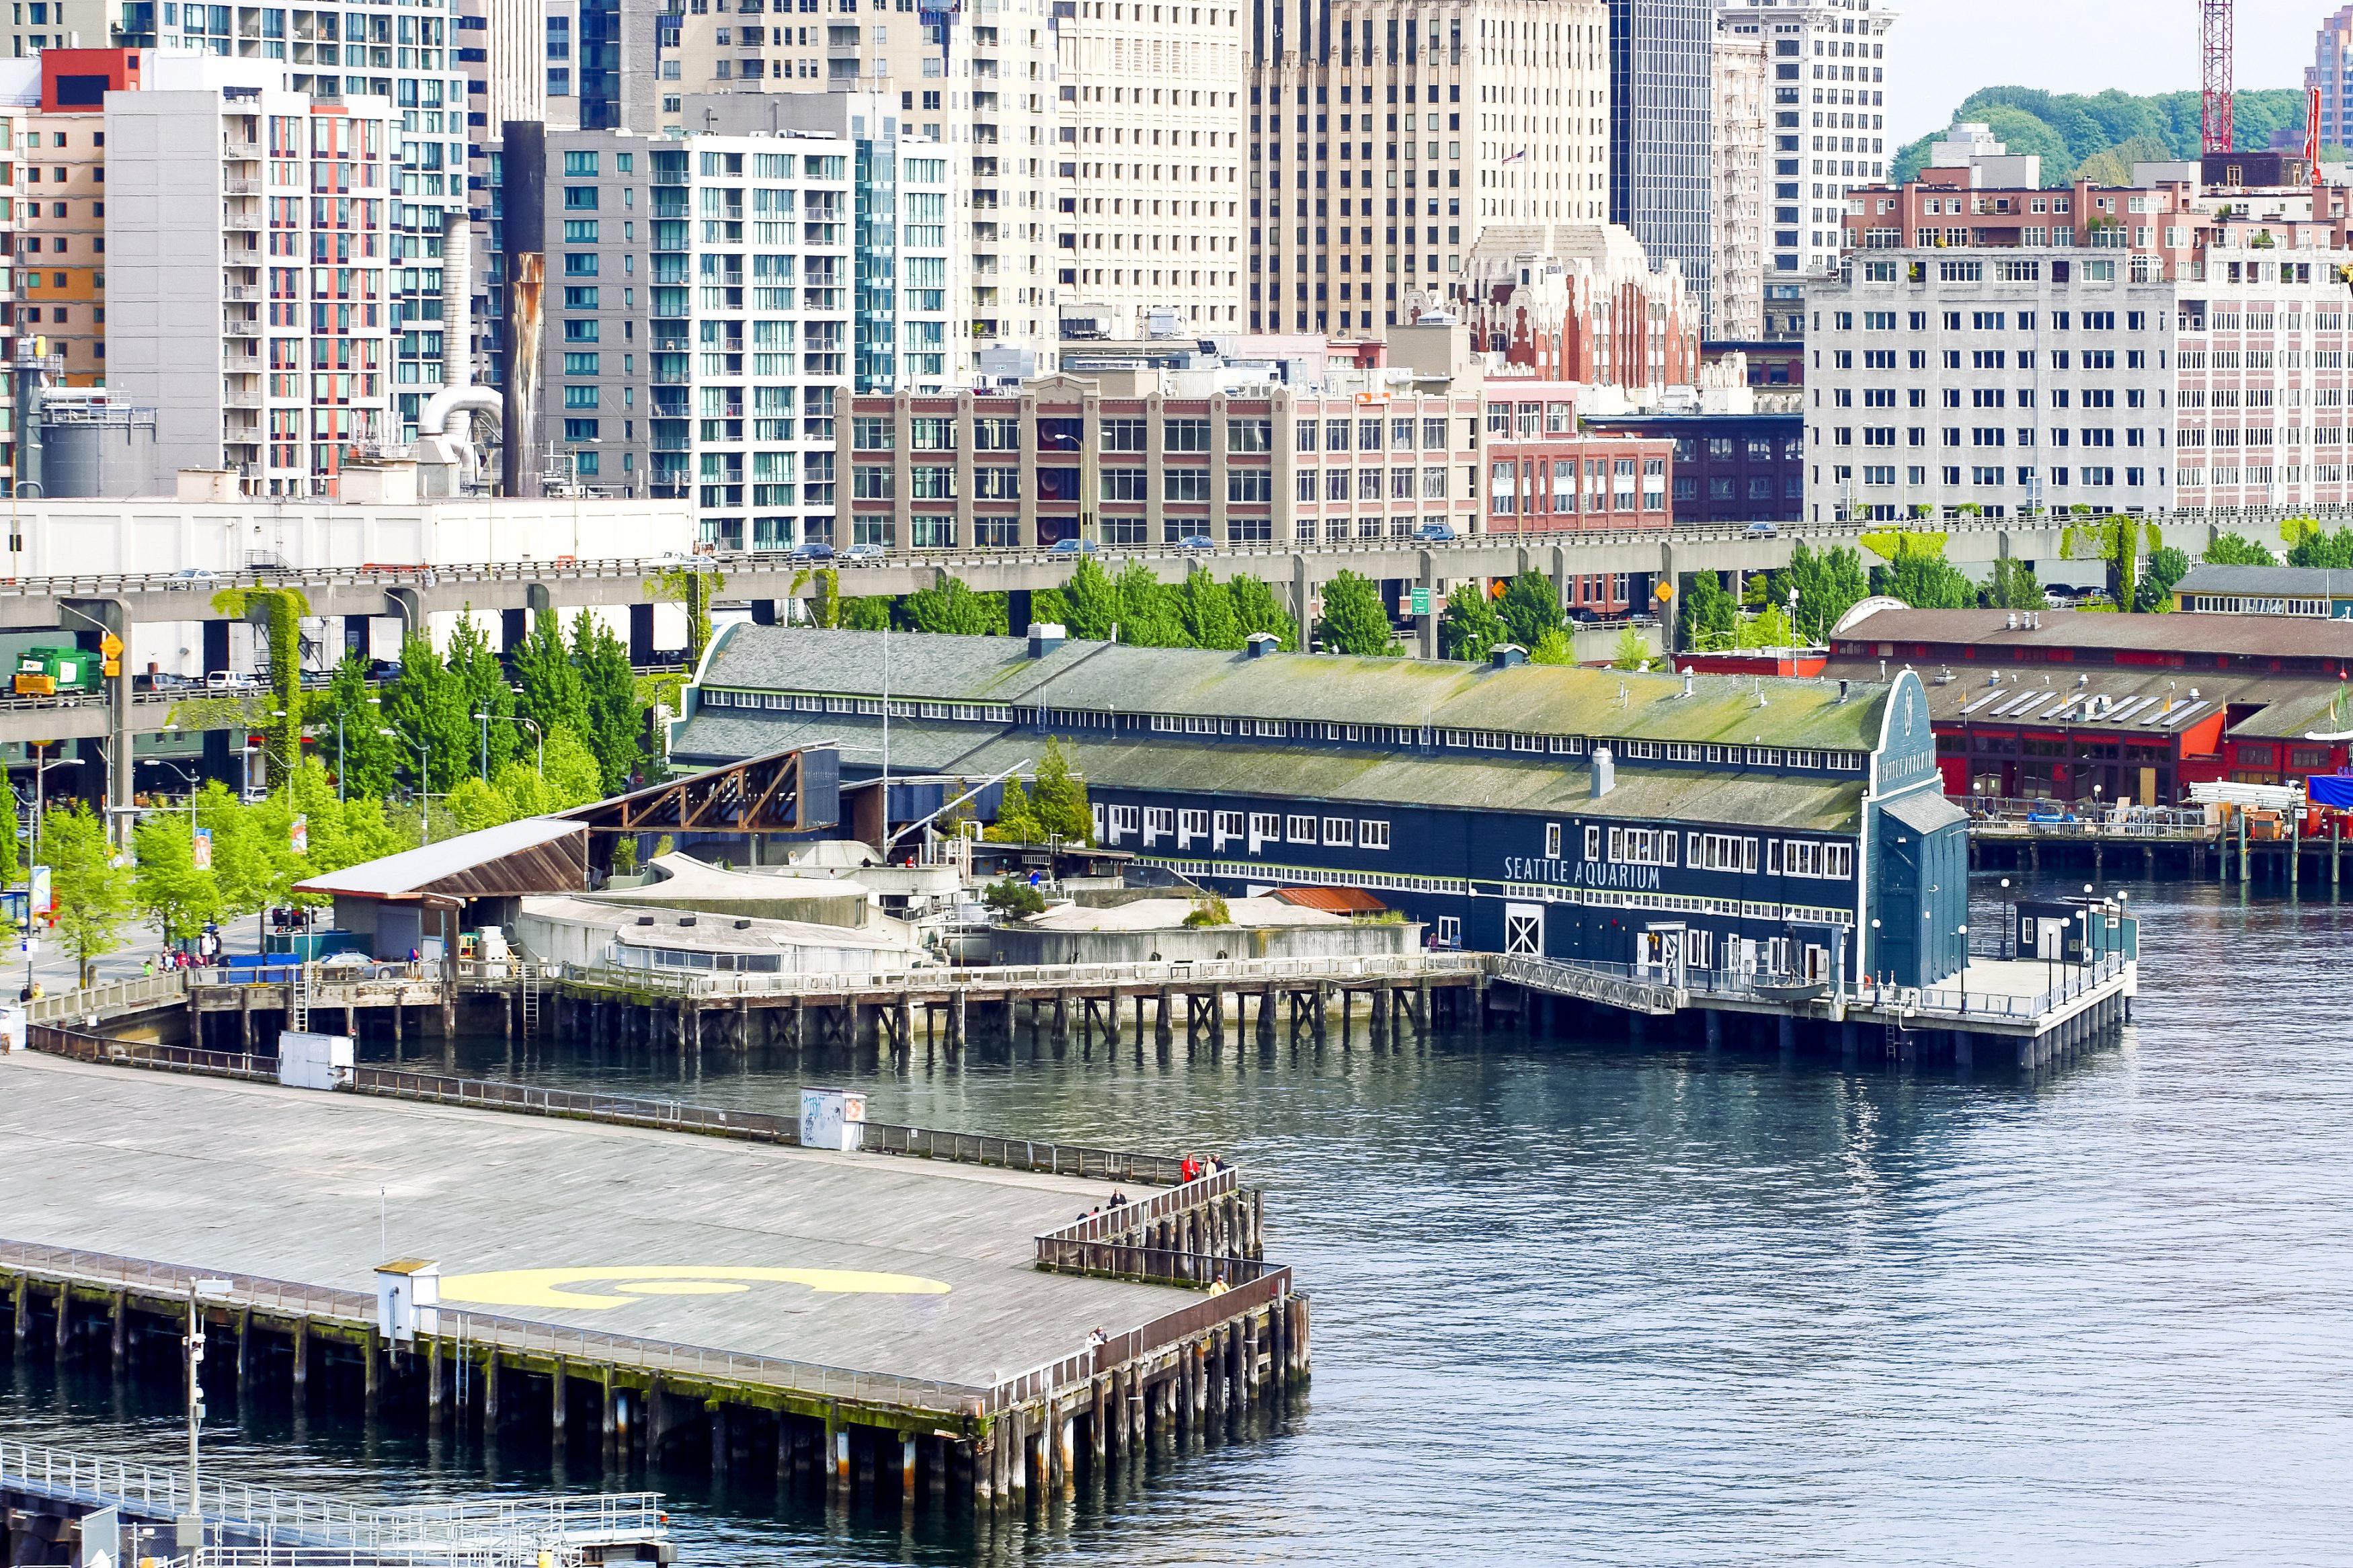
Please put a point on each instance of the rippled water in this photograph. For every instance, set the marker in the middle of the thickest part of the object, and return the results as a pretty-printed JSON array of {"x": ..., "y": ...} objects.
[{"x": 1583, "y": 1303}]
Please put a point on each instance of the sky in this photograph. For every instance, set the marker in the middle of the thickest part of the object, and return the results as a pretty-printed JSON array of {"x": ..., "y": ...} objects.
[{"x": 1943, "y": 51}]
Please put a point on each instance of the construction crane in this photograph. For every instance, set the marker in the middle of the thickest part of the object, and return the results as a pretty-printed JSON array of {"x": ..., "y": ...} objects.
[{"x": 2221, "y": 31}]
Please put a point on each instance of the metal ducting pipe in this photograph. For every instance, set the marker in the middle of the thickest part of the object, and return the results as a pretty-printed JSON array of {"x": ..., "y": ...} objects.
[
  {"x": 433, "y": 419},
  {"x": 457, "y": 300}
]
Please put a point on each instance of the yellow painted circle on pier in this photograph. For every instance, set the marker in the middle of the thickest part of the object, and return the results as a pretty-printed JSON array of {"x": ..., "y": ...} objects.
[{"x": 620, "y": 1285}]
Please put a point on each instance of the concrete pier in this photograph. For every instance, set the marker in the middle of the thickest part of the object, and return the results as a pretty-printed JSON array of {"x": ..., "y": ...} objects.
[{"x": 928, "y": 1317}]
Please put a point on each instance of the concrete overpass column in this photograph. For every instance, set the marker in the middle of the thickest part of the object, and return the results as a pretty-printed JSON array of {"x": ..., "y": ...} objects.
[
  {"x": 514, "y": 626},
  {"x": 1560, "y": 574},
  {"x": 408, "y": 606},
  {"x": 93, "y": 622},
  {"x": 1302, "y": 601},
  {"x": 1428, "y": 624}
]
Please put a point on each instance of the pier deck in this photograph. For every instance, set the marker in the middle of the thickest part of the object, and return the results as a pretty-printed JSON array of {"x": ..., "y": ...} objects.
[
  {"x": 928, "y": 1268},
  {"x": 847, "y": 1315}
]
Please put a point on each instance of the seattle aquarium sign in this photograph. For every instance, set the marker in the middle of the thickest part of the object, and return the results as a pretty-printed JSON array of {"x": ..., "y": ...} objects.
[{"x": 1582, "y": 873}]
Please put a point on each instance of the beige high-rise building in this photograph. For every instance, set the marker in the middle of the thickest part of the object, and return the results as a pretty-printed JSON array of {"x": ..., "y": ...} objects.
[
  {"x": 1736, "y": 304},
  {"x": 979, "y": 79},
  {"x": 1149, "y": 204},
  {"x": 1385, "y": 137}
]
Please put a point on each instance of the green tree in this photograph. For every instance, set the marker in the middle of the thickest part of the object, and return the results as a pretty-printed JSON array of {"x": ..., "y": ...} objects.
[
  {"x": 2237, "y": 550},
  {"x": 279, "y": 611},
  {"x": 2312, "y": 546},
  {"x": 552, "y": 696},
  {"x": 1011, "y": 897},
  {"x": 2118, "y": 540},
  {"x": 1016, "y": 819},
  {"x": 1469, "y": 627},
  {"x": 1557, "y": 646},
  {"x": 1916, "y": 571},
  {"x": 2167, "y": 566},
  {"x": 1150, "y": 615},
  {"x": 1827, "y": 582},
  {"x": 253, "y": 862},
  {"x": 1632, "y": 653},
  {"x": 1768, "y": 627},
  {"x": 870, "y": 614},
  {"x": 1530, "y": 608},
  {"x": 825, "y": 600},
  {"x": 482, "y": 679},
  {"x": 473, "y": 805},
  {"x": 1089, "y": 603},
  {"x": 617, "y": 721},
  {"x": 91, "y": 894},
  {"x": 165, "y": 885},
  {"x": 574, "y": 776},
  {"x": 1061, "y": 796},
  {"x": 1710, "y": 620},
  {"x": 951, "y": 608},
  {"x": 692, "y": 586},
  {"x": 2013, "y": 586},
  {"x": 427, "y": 706},
  {"x": 1205, "y": 606},
  {"x": 1355, "y": 621},
  {"x": 1256, "y": 609},
  {"x": 367, "y": 757},
  {"x": 12, "y": 857}
]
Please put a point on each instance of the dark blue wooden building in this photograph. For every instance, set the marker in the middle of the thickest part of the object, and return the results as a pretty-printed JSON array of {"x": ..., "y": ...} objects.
[{"x": 1710, "y": 823}]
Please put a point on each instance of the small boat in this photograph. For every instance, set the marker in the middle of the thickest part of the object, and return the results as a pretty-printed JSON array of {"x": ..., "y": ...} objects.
[{"x": 1789, "y": 988}]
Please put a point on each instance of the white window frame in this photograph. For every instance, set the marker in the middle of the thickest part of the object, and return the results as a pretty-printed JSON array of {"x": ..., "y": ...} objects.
[
  {"x": 1372, "y": 833},
  {"x": 1191, "y": 824},
  {"x": 1226, "y": 826},
  {"x": 1552, "y": 841},
  {"x": 1265, "y": 827},
  {"x": 1339, "y": 832},
  {"x": 1297, "y": 829}
]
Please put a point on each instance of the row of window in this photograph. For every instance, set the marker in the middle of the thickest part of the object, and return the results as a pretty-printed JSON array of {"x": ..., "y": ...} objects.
[
  {"x": 1827, "y": 861},
  {"x": 1186, "y": 828},
  {"x": 2095, "y": 477}
]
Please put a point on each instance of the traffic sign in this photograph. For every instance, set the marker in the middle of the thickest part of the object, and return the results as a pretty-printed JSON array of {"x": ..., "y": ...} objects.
[{"x": 1420, "y": 601}]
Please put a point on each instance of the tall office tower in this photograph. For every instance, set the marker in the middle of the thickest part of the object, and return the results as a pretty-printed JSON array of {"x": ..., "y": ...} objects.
[
  {"x": 409, "y": 54},
  {"x": 13, "y": 346},
  {"x": 2332, "y": 72},
  {"x": 1736, "y": 302},
  {"x": 783, "y": 270},
  {"x": 1148, "y": 223},
  {"x": 247, "y": 242},
  {"x": 1383, "y": 144},
  {"x": 1661, "y": 98},
  {"x": 979, "y": 80},
  {"x": 1828, "y": 61}
]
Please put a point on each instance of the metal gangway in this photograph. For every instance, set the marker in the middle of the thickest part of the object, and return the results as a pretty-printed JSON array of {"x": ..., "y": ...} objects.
[{"x": 489, "y": 1529}]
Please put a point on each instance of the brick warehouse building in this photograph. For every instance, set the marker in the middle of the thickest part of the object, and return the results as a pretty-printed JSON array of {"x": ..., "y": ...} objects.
[
  {"x": 1143, "y": 459},
  {"x": 1555, "y": 811}
]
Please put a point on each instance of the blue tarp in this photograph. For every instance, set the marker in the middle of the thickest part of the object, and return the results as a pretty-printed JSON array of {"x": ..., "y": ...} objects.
[{"x": 2333, "y": 789}]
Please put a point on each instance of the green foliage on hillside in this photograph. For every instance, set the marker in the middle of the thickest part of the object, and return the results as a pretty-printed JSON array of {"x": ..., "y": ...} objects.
[{"x": 2108, "y": 130}]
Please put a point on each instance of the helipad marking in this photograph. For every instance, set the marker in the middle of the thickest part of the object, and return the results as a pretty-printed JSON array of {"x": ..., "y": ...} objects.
[{"x": 546, "y": 1286}]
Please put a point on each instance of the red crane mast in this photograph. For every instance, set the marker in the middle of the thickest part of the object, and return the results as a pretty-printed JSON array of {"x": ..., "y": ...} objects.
[{"x": 2220, "y": 31}]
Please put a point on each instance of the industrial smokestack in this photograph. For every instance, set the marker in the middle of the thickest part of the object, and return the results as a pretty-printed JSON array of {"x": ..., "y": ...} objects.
[{"x": 525, "y": 161}]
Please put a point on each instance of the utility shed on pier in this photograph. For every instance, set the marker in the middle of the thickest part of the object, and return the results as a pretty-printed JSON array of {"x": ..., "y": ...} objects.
[{"x": 475, "y": 878}]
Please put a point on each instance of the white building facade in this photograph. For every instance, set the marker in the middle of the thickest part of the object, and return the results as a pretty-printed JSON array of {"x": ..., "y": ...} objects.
[
  {"x": 250, "y": 278},
  {"x": 1735, "y": 305}
]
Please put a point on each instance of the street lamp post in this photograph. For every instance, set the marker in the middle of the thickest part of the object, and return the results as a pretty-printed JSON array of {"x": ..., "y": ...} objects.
[
  {"x": 1964, "y": 933},
  {"x": 424, "y": 781}
]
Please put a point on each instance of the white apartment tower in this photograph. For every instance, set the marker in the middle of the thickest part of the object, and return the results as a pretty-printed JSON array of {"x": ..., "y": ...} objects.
[
  {"x": 1386, "y": 138},
  {"x": 248, "y": 269},
  {"x": 979, "y": 80},
  {"x": 1737, "y": 302},
  {"x": 1149, "y": 166}
]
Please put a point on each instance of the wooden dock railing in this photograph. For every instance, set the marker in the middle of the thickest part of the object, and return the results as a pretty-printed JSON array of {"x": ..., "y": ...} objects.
[{"x": 1240, "y": 973}]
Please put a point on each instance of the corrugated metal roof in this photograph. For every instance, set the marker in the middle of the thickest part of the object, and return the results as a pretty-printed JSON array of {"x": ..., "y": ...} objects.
[
  {"x": 1318, "y": 688},
  {"x": 1924, "y": 811},
  {"x": 536, "y": 854},
  {"x": 2280, "y": 582},
  {"x": 2253, "y": 637}
]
